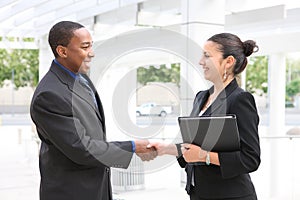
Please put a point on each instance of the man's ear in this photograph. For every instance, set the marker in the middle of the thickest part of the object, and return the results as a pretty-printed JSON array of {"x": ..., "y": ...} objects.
[{"x": 61, "y": 51}]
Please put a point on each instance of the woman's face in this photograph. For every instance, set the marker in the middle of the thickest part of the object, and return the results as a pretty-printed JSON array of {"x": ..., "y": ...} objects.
[{"x": 212, "y": 62}]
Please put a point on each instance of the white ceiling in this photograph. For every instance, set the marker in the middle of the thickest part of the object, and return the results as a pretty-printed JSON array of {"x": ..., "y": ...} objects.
[{"x": 24, "y": 18}]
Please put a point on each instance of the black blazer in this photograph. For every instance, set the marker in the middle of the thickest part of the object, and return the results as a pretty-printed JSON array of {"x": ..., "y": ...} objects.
[
  {"x": 74, "y": 157},
  {"x": 231, "y": 178}
]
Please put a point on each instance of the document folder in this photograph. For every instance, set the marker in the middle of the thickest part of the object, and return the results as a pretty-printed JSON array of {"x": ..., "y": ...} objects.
[{"x": 211, "y": 133}]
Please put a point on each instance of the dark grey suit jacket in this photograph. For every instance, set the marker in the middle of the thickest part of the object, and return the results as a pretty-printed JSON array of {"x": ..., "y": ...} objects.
[
  {"x": 74, "y": 155},
  {"x": 231, "y": 179}
]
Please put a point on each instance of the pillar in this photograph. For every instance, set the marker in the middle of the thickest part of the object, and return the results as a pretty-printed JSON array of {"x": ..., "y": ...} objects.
[
  {"x": 45, "y": 56},
  {"x": 200, "y": 20},
  {"x": 276, "y": 93},
  {"x": 276, "y": 98}
]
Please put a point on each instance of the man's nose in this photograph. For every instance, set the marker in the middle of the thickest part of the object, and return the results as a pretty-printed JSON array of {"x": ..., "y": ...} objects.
[{"x": 91, "y": 53}]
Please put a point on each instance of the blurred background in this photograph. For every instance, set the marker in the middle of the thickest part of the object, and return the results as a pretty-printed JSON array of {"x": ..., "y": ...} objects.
[{"x": 147, "y": 75}]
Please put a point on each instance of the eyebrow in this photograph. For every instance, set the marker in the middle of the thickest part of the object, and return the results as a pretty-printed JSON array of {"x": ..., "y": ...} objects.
[{"x": 87, "y": 43}]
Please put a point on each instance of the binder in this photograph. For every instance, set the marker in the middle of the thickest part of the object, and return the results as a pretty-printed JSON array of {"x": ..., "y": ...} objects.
[{"x": 211, "y": 133}]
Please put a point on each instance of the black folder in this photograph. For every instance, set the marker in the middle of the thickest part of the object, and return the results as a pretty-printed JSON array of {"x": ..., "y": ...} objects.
[{"x": 211, "y": 133}]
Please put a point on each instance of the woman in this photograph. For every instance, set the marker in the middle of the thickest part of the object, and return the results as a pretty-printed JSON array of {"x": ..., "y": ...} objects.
[{"x": 222, "y": 175}]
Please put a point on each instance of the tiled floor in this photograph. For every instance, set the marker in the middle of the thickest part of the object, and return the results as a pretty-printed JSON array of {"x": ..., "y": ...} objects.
[{"x": 19, "y": 173}]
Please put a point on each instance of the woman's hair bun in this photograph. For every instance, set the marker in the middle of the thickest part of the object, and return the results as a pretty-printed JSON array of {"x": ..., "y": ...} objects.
[{"x": 249, "y": 47}]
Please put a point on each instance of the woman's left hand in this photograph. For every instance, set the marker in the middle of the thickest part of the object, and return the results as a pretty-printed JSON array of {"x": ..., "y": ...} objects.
[{"x": 193, "y": 153}]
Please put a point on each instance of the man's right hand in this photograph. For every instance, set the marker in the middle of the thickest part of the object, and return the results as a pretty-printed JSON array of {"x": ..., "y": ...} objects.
[{"x": 144, "y": 152}]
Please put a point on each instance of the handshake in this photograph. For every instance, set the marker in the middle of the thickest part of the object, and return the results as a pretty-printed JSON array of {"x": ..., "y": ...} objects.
[
  {"x": 191, "y": 153},
  {"x": 149, "y": 150}
]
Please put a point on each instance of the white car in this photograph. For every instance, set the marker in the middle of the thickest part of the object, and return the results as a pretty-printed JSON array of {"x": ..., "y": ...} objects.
[{"x": 153, "y": 109}]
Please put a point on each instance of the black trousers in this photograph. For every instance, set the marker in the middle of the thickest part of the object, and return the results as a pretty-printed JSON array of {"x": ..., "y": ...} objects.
[{"x": 193, "y": 196}]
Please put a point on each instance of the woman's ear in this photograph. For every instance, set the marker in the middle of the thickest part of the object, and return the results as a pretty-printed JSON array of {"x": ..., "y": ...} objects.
[
  {"x": 230, "y": 61},
  {"x": 61, "y": 51}
]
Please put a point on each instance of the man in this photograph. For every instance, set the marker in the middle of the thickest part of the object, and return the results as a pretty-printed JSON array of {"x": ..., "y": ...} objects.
[{"x": 75, "y": 158}]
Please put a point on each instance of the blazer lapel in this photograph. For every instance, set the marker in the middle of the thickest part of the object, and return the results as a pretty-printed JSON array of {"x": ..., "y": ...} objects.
[
  {"x": 215, "y": 106},
  {"x": 219, "y": 106},
  {"x": 199, "y": 102}
]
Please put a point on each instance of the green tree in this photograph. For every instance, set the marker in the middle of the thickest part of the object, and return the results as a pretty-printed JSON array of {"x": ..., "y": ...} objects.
[
  {"x": 23, "y": 63},
  {"x": 5, "y": 72},
  {"x": 293, "y": 88},
  {"x": 292, "y": 78},
  {"x": 159, "y": 73},
  {"x": 257, "y": 75},
  {"x": 292, "y": 70}
]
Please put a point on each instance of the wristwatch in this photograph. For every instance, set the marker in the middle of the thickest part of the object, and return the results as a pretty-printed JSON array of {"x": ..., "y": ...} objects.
[{"x": 207, "y": 160}]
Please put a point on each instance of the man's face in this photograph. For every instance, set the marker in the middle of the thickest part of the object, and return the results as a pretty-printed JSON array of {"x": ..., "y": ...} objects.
[
  {"x": 86, "y": 64},
  {"x": 79, "y": 51}
]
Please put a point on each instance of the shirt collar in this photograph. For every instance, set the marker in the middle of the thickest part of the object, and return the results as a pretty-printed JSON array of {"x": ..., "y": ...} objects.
[{"x": 66, "y": 69}]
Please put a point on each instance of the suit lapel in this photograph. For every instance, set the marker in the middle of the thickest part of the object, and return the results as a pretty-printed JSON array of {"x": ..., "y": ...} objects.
[
  {"x": 76, "y": 88},
  {"x": 100, "y": 110},
  {"x": 82, "y": 92}
]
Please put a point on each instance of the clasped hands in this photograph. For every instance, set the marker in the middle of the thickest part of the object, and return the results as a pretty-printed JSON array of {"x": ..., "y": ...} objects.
[
  {"x": 144, "y": 151},
  {"x": 149, "y": 150}
]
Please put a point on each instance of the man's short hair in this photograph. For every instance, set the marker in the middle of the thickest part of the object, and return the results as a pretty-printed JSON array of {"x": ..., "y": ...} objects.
[{"x": 61, "y": 34}]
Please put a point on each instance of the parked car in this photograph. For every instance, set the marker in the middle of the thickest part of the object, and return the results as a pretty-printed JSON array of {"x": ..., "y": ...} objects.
[{"x": 153, "y": 109}]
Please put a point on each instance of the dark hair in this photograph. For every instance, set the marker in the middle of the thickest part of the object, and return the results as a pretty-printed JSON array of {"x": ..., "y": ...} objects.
[
  {"x": 231, "y": 45},
  {"x": 61, "y": 34}
]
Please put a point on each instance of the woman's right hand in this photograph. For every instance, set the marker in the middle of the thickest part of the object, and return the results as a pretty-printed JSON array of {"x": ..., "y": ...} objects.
[{"x": 164, "y": 148}]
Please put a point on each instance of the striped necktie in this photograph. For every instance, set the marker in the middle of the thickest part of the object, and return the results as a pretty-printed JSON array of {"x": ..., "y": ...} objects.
[{"x": 86, "y": 85}]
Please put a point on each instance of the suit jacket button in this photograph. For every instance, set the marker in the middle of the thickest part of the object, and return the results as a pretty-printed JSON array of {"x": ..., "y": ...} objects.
[{"x": 107, "y": 170}]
